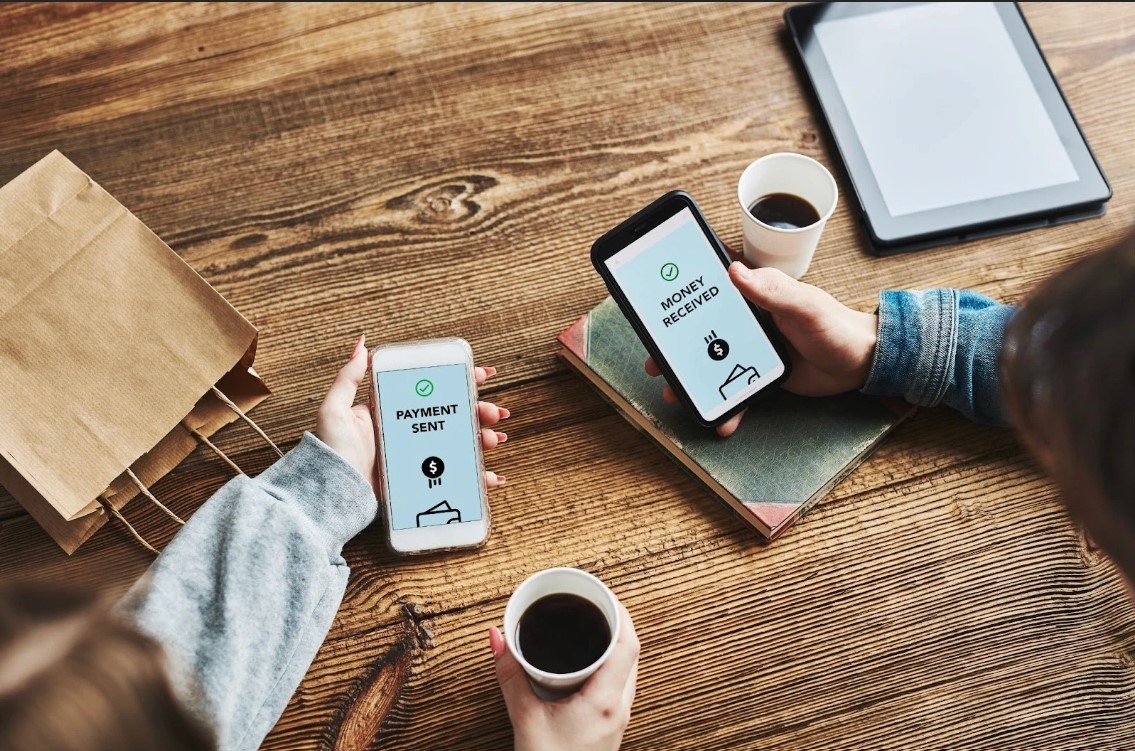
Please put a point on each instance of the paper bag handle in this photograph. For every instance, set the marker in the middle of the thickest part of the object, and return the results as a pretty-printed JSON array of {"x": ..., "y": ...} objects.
[
  {"x": 240, "y": 413},
  {"x": 130, "y": 527},
  {"x": 203, "y": 439}
]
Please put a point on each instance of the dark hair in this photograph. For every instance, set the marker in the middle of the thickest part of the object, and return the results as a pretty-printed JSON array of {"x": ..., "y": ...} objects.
[
  {"x": 74, "y": 677},
  {"x": 1068, "y": 376}
]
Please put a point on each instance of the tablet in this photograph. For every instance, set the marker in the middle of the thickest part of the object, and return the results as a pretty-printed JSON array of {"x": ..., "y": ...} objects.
[{"x": 948, "y": 121}]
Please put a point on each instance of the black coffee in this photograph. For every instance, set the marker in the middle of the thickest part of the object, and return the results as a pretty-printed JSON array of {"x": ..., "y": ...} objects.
[
  {"x": 562, "y": 633},
  {"x": 784, "y": 211}
]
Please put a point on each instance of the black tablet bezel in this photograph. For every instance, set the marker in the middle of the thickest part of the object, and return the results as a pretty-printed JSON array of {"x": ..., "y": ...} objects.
[
  {"x": 961, "y": 221},
  {"x": 632, "y": 229}
]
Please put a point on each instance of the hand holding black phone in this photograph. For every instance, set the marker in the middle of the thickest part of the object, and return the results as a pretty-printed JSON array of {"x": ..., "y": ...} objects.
[{"x": 667, "y": 271}]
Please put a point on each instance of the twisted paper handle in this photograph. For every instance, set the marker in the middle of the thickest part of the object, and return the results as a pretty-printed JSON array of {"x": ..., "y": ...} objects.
[
  {"x": 146, "y": 492},
  {"x": 106, "y": 504},
  {"x": 240, "y": 413},
  {"x": 205, "y": 440},
  {"x": 130, "y": 527}
]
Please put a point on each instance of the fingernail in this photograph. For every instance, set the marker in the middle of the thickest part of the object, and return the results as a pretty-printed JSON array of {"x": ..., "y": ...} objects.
[
  {"x": 740, "y": 269},
  {"x": 504, "y": 413},
  {"x": 502, "y": 479},
  {"x": 501, "y": 437},
  {"x": 359, "y": 346},
  {"x": 490, "y": 371}
]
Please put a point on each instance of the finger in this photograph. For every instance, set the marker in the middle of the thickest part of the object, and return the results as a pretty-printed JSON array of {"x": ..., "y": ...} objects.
[
  {"x": 775, "y": 291},
  {"x": 490, "y": 439},
  {"x": 669, "y": 396},
  {"x": 611, "y": 678},
  {"x": 490, "y": 414},
  {"x": 341, "y": 395},
  {"x": 729, "y": 427},
  {"x": 652, "y": 368},
  {"x": 493, "y": 480},
  {"x": 514, "y": 685},
  {"x": 483, "y": 374}
]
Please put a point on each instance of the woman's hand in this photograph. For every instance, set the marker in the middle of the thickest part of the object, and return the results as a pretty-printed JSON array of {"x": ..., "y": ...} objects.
[
  {"x": 592, "y": 719},
  {"x": 830, "y": 345},
  {"x": 347, "y": 427}
]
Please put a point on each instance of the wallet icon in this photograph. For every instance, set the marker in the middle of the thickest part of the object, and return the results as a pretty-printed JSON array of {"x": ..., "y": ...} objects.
[
  {"x": 441, "y": 513},
  {"x": 738, "y": 380}
]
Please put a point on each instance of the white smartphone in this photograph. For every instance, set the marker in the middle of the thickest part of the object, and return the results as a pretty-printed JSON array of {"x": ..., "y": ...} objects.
[{"x": 424, "y": 397}]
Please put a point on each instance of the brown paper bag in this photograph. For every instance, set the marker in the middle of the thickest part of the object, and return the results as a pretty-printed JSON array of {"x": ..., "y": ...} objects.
[{"x": 110, "y": 346}]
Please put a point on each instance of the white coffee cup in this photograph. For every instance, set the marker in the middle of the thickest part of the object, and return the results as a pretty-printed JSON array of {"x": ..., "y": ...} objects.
[
  {"x": 789, "y": 250},
  {"x": 552, "y": 581}
]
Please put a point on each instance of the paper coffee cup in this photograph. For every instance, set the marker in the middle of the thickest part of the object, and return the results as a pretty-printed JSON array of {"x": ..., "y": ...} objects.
[
  {"x": 789, "y": 250},
  {"x": 550, "y": 686}
]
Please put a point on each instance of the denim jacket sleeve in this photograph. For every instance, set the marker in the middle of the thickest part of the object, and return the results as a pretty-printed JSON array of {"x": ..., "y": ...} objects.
[{"x": 940, "y": 346}]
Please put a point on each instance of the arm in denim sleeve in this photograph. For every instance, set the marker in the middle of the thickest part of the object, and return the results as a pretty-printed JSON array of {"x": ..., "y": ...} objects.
[{"x": 940, "y": 346}]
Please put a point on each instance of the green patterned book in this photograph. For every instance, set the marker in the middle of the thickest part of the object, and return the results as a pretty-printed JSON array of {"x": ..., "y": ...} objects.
[{"x": 787, "y": 454}]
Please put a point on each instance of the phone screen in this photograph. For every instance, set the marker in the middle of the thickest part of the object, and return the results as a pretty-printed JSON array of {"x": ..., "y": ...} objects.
[
  {"x": 429, "y": 456},
  {"x": 676, "y": 283}
]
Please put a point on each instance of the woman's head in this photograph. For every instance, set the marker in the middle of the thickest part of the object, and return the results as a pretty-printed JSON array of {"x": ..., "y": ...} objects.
[
  {"x": 75, "y": 678},
  {"x": 1068, "y": 377}
]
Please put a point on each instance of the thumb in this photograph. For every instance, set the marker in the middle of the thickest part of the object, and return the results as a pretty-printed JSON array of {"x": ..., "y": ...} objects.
[
  {"x": 341, "y": 395},
  {"x": 774, "y": 290},
  {"x": 518, "y": 694}
]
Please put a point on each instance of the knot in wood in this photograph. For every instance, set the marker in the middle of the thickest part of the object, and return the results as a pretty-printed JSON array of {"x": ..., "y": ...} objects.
[{"x": 450, "y": 201}]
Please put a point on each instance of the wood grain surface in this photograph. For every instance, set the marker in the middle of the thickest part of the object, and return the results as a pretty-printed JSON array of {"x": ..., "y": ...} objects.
[{"x": 412, "y": 171}]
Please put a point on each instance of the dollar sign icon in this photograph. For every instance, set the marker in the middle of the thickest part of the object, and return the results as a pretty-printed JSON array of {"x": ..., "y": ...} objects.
[
  {"x": 718, "y": 349},
  {"x": 432, "y": 467}
]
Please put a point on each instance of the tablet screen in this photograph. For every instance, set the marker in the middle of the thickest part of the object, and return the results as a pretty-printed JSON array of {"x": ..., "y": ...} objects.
[{"x": 943, "y": 106}]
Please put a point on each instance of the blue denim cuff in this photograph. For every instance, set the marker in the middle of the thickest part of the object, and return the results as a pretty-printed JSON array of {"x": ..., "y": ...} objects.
[{"x": 916, "y": 345}]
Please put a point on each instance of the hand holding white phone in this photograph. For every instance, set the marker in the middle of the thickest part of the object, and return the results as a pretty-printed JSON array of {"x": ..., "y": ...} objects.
[
  {"x": 348, "y": 428},
  {"x": 431, "y": 431}
]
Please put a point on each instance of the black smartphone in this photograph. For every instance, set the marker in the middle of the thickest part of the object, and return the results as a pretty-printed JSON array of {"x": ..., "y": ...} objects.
[{"x": 667, "y": 270}]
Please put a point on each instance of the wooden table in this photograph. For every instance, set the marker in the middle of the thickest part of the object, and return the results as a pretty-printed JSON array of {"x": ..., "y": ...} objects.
[{"x": 419, "y": 171}]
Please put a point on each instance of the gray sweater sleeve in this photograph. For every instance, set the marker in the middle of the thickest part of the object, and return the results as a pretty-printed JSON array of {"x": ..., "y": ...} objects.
[{"x": 244, "y": 595}]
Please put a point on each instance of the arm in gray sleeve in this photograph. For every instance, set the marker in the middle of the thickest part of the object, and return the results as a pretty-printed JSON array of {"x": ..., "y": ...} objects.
[{"x": 243, "y": 597}]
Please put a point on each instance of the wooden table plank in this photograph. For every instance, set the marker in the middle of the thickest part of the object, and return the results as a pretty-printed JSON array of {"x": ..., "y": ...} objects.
[{"x": 420, "y": 170}]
